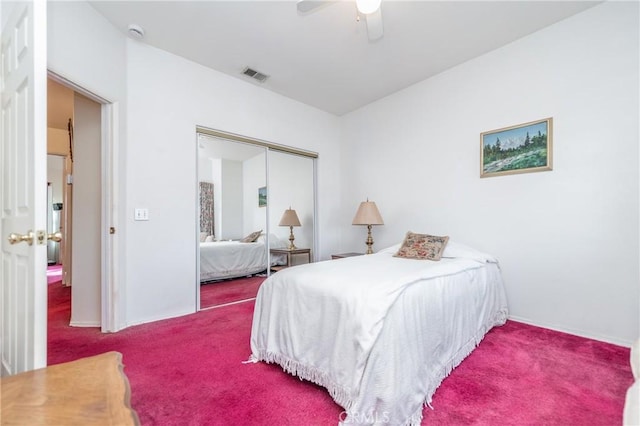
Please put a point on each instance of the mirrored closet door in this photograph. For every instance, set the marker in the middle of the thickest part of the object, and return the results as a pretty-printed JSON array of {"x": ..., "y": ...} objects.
[
  {"x": 248, "y": 193},
  {"x": 291, "y": 208}
]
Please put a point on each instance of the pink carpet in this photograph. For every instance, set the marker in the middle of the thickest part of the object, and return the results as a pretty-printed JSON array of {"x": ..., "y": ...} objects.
[
  {"x": 189, "y": 371},
  {"x": 54, "y": 274},
  {"x": 221, "y": 292},
  {"x": 534, "y": 376}
]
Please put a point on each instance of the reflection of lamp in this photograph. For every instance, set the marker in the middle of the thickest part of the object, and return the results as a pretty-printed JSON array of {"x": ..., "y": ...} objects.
[
  {"x": 290, "y": 219},
  {"x": 368, "y": 214}
]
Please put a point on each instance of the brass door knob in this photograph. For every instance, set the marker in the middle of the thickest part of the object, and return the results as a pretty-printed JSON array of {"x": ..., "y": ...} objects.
[
  {"x": 18, "y": 238},
  {"x": 57, "y": 237}
]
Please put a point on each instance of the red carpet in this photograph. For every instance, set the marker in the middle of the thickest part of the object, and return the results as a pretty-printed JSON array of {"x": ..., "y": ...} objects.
[
  {"x": 524, "y": 375},
  {"x": 189, "y": 371},
  {"x": 221, "y": 292}
]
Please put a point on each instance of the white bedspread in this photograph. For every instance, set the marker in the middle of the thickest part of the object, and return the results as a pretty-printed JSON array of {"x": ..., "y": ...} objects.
[
  {"x": 379, "y": 332},
  {"x": 230, "y": 259}
]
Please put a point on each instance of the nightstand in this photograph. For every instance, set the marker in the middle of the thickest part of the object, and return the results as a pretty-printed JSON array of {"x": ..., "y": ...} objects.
[
  {"x": 343, "y": 255},
  {"x": 290, "y": 255}
]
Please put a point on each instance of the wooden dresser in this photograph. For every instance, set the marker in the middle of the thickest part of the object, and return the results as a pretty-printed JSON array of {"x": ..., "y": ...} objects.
[{"x": 89, "y": 391}]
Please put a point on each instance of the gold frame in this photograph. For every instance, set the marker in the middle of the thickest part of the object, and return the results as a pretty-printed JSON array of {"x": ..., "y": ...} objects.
[
  {"x": 253, "y": 141},
  {"x": 506, "y": 131}
]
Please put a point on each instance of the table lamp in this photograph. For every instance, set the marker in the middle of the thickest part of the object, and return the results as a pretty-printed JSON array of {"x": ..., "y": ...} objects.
[
  {"x": 369, "y": 215},
  {"x": 290, "y": 219}
]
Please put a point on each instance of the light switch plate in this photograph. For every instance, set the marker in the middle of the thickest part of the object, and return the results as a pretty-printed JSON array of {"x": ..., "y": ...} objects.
[{"x": 141, "y": 214}]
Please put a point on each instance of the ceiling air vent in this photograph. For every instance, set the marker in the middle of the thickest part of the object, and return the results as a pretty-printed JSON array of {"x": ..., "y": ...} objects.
[{"x": 255, "y": 75}]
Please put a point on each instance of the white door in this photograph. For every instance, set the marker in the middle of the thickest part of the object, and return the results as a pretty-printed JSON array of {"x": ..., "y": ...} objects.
[{"x": 23, "y": 153}]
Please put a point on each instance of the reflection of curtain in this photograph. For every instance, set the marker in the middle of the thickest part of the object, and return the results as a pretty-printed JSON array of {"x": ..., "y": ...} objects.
[{"x": 206, "y": 208}]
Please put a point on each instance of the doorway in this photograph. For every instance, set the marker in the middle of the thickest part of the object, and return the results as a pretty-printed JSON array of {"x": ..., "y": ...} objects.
[{"x": 76, "y": 133}]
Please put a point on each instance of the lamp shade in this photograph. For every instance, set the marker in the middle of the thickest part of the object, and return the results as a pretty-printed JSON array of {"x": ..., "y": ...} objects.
[
  {"x": 289, "y": 218},
  {"x": 368, "y": 214}
]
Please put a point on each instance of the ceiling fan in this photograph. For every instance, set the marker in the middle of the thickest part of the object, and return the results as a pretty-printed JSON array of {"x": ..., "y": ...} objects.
[{"x": 370, "y": 9}]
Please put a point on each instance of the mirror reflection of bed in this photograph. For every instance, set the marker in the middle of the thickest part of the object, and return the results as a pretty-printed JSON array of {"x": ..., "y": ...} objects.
[
  {"x": 232, "y": 271},
  {"x": 237, "y": 226}
]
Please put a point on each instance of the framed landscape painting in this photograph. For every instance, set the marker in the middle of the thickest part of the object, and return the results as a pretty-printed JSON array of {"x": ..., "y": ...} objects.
[
  {"x": 522, "y": 148},
  {"x": 262, "y": 196}
]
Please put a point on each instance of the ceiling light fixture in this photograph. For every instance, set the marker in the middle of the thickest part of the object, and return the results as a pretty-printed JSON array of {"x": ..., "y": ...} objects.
[
  {"x": 371, "y": 10},
  {"x": 367, "y": 7},
  {"x": 136, "y": 32}
]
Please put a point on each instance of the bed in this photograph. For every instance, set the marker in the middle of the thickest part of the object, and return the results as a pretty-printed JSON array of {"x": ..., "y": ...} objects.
[
  {"x": 232, "y": 259},
  {"x": 379, "y": 332}
]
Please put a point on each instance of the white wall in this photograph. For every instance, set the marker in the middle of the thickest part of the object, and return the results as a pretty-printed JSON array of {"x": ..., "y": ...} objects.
[
  {"x": 567, "y": 239},
  {"x": 205, "y": 169},
  {"x": 216, "y": 170},
  {"x": 162, "y": 131},
  {"x": 57, "y": 141},
  {"x": 231, "y": 204}
]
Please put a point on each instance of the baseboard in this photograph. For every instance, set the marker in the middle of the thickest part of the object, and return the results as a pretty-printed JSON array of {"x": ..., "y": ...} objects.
[
  {"x": 4, "y": 372},
  {"x": 85, "y": 324},
  {"x": 579, "y": 333},
  {"x": 141, "y": 321}
]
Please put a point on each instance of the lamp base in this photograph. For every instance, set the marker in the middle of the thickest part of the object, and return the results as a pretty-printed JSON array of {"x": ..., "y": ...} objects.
[
  {"x": 369, "y": 240},
  {"x": 291, "y": 238}
]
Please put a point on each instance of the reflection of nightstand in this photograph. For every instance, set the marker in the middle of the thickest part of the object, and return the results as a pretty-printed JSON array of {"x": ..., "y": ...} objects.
[
  {"x": 343, "y": 255},
  {"x": 290, "y": 255}
]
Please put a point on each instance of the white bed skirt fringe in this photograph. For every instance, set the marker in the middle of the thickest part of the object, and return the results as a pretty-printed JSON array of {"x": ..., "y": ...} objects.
[{"x": 341, "y": 395}]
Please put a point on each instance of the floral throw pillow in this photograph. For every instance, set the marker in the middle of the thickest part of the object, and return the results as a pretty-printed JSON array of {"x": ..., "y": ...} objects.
[
  {"x": 252, "y": 237},
  {"x": 422, "y": 246}
]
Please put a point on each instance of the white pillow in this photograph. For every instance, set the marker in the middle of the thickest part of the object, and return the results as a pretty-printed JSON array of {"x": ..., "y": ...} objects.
[
  {"x": 456, "y": 250},
  {"x": 209, "y": 239},
  {"x": 393, "y": 249}
]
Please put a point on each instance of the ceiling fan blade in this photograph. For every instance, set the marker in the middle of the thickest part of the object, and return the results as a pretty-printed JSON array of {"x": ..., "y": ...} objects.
[
  {"x": 375, "y": 29},
  {"x": 306, "y": 6}
]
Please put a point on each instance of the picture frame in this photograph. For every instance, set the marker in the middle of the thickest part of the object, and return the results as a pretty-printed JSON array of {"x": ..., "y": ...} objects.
[
  {"x": 523, "y": 148},
  {"x": 262, "y": 196}
]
